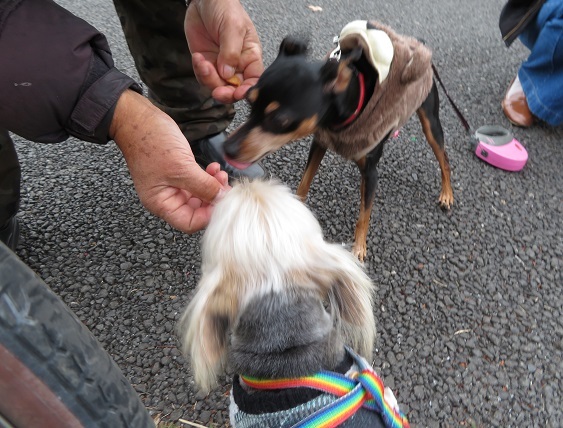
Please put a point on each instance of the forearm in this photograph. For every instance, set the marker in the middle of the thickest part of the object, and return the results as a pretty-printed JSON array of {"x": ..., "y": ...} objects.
[
  {"x": 134, "y": 122},
  {"x": 57, "y": 76}
]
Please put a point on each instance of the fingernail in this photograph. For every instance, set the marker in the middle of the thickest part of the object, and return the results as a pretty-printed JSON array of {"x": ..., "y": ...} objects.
[
  {"x": 220, "y": 195},
  {"x": 228, "y": 72}
]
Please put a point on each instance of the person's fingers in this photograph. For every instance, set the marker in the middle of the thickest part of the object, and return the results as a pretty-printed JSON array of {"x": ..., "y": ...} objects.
[
  {"x": 230, "y": 48},
  {"x": 222, "y": 91},
  {"x": 205, "y": 72},
  {"x": 253, "y": 70},
  {"x": 195, "y": 203},
  {"x": 189, "y": 219},
  {"x": 225, "y": 94},
  {"x": 200, "y": 184},
  {"x": 240, "y": 92},
  {"x": 213, "y": 168},
  {"x": 200, "y": 217},
  {"x": 222, "y": 177}
]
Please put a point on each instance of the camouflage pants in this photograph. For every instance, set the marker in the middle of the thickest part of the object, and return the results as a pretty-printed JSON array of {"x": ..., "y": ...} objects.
[{"x": 154, "y": 30}]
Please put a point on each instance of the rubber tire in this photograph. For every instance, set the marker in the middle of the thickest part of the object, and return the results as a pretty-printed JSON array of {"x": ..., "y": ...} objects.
[{"x": 53, "y": 371}]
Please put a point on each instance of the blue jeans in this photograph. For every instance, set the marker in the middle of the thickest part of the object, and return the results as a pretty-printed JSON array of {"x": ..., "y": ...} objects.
[{"x": 541, "y": 74}]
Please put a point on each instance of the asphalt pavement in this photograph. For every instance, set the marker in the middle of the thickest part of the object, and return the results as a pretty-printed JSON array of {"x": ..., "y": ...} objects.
[{"x": 469, "y": 303}]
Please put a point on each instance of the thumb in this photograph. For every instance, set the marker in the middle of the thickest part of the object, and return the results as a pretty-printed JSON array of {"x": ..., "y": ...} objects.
[
  {"x": 230, "y": 48},
  {"x": 202, "y": 185}
]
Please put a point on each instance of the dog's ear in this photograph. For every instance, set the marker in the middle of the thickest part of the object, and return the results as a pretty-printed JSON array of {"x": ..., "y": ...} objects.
[
  {"x": 350, "y": 295},
  {"x": 336, "y": 74},
  {"x": 204, "y": 330},
  {"x": 293, "y": 46}
]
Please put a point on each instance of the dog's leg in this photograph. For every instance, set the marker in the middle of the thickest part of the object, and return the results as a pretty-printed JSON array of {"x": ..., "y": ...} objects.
[
  {"x": 368, "y": 170},
  {"x": 316, "y": 154},
  {"x": 430, "y": 120}
]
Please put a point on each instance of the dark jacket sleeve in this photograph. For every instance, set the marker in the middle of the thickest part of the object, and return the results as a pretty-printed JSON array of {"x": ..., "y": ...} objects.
[
  {"x": 57, "y": 76},
  {"x": 515, "y": 16}
]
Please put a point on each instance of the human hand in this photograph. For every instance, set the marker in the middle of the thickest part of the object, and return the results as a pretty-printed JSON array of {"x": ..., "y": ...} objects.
[
  {"x": 224, "y": 43},
  {"x": 169, "y": 182}
]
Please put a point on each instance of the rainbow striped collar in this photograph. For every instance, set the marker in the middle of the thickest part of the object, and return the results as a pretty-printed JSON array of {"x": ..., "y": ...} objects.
[{"x": 364, "y": 389}]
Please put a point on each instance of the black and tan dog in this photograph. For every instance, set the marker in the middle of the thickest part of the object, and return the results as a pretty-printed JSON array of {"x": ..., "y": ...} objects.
[{"x": 366, "y": 89}]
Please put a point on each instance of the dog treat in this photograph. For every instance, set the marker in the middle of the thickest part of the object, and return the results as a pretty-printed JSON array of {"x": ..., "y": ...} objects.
[{"x": 234, "y": 81}]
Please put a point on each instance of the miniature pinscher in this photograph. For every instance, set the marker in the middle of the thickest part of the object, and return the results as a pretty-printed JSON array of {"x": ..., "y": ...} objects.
[{"x": 352, "y": 101}]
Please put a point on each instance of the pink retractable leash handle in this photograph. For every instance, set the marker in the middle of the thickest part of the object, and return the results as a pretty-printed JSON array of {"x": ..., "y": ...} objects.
[
  {"x": 492, "y": 143},
  {"x": 496, "y": 146}
]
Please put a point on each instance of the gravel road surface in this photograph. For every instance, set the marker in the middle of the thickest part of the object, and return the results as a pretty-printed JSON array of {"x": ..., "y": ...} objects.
[{"x": 469, "y": 303}]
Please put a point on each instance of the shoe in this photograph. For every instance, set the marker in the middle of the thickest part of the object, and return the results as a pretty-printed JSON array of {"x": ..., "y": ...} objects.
[
  {"x": 10, "y": 233},
  {"x": 515, "y": 106},
  {"x": 210, "y": 149}
]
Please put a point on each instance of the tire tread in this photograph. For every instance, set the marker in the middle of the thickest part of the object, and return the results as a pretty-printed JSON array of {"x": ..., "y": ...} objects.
[{"x": 48, "y": 338}]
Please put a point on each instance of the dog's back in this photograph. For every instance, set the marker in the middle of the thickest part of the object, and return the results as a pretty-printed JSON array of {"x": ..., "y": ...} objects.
[{"x": 285, "y": 335}]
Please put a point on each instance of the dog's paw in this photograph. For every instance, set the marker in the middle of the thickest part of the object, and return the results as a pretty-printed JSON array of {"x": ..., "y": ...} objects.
[
  {"x": 360, "y": 251},
  {"x": 446, "y": 200}
]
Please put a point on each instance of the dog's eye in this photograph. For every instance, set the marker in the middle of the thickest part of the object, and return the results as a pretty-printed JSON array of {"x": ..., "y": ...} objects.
[
  {"x": 280, "y": 121},
  {"x": 284, "y": 122}
]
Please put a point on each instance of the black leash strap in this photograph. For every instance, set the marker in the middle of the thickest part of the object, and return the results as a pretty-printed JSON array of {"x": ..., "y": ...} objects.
[{"x": 461, "y": 118}]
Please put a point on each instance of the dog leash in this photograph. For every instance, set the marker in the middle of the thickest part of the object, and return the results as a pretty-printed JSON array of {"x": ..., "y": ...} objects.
[
  {"x": 464, "y": 121},
  {"x": 365, "y": 389},
  {"x": 491, "y": 143}
]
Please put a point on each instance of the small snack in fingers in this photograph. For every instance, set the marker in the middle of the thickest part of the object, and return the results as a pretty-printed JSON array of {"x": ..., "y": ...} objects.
[{"x": 234, "y": 81}]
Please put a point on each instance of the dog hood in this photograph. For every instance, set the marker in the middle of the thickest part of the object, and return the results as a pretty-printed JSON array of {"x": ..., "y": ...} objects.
[
  {"x": 376, "y": 43},
  {"x": 407, "y": 67}
]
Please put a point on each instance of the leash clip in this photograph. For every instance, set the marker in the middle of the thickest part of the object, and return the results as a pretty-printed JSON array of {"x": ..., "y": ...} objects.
[{"x": 335, "y": 54}]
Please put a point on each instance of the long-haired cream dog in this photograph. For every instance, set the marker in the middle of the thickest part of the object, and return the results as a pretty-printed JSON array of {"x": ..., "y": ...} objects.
[{"x": 274, "y": 301}]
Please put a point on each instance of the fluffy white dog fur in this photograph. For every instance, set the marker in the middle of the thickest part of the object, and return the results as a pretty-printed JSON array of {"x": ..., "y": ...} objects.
[{"x": 265, "y": 247}]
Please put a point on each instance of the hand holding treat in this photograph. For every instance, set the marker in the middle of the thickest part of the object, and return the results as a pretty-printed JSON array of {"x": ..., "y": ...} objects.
[{"x": 226, "y": 51}]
